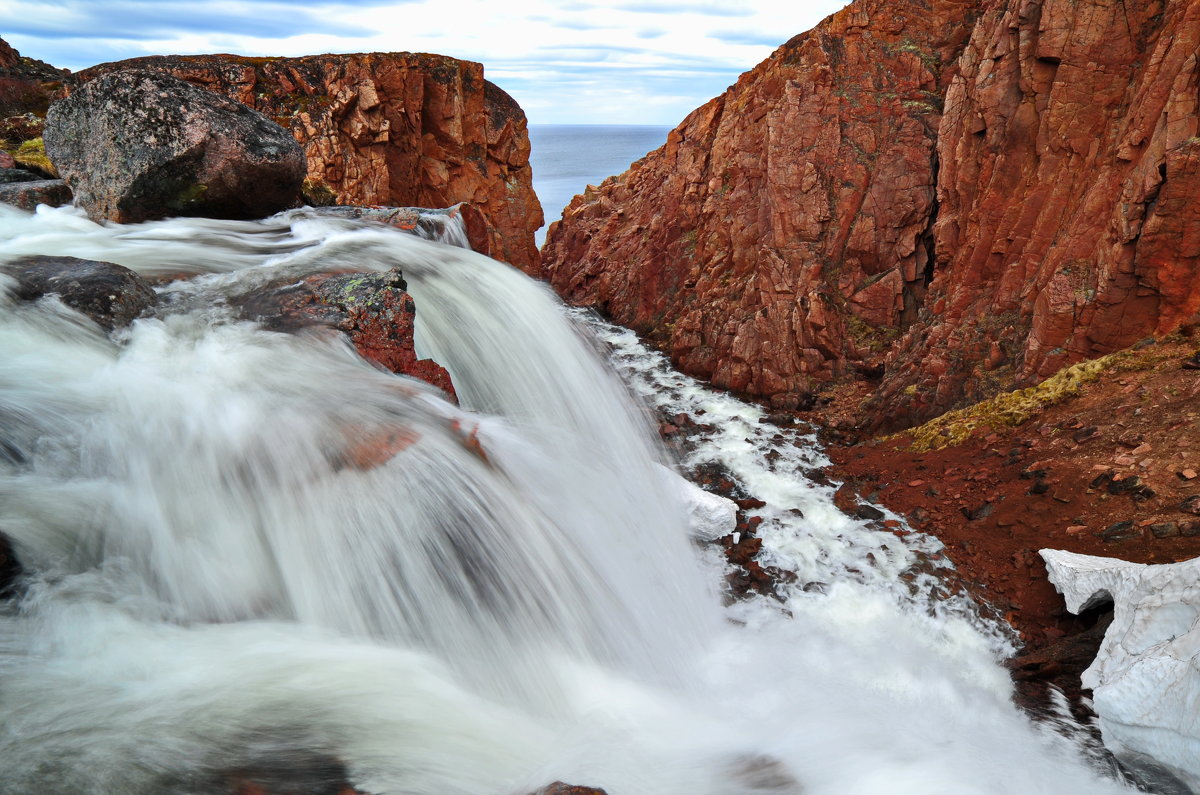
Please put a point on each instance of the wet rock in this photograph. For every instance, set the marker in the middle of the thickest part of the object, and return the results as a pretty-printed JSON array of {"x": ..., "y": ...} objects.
[
  {"x": 10, "y": 569},
  {"x": 136, "y": 145},
  {"x": 372, "y": 309},
  {"x": 28, "y": 195},
  {"x": 559, "y": 788},
  {"x": 868, "y": 512},
  {"x": 109, "y": 294}
]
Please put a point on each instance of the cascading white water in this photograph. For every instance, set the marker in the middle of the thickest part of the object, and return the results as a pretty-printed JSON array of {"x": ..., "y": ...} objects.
[{"x": 218, "y": 577}]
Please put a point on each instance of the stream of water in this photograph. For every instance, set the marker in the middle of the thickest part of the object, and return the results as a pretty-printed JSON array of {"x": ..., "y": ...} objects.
[{"x": 213, "y": 584}]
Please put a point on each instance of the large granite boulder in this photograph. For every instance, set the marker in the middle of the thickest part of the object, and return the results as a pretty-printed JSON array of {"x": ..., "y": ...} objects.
[{"x": 137, "y": 146}]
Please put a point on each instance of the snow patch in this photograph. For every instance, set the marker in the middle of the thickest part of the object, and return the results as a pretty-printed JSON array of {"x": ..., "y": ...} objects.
[{"x": 1146, "y": 677}]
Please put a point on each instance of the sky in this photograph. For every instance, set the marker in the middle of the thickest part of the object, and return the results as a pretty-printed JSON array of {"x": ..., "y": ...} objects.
[{"x": 564, "y": 61}]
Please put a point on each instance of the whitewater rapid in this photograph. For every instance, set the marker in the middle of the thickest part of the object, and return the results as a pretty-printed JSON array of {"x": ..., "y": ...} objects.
[{"x": 213, "y": 584}]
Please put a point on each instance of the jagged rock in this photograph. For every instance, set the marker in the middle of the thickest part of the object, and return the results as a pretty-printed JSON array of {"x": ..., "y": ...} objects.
[
  {"x": 26, "y": 89},
  {"x": 788, "y": 229},
  {"x": 394, "y": 129},
  {"x": 28, "y": 195},
  {"x": 1066, "y": 224},
  {"x": 1145, "y": 685},
  {"x": 137, "y": 145},
  {"x": 109, "y": 294},
  {"x": 783, "y": 231}
]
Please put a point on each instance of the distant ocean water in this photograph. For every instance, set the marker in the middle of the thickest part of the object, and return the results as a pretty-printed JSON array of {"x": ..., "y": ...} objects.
[{"x": 566, "y": 158}]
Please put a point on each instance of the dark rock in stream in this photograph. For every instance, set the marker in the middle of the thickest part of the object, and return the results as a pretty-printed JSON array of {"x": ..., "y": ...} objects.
[
  {"x": 109, "y": 294},
  {"x": 10, "y": 569},
  {"x": 136, "y": 146}
]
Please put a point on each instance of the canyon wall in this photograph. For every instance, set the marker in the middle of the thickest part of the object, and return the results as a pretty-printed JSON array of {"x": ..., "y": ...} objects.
[
  {"x": 950, "y": 197},
  {"x": 396, "y": 129},
  {"x": 1067, "y": 225}
]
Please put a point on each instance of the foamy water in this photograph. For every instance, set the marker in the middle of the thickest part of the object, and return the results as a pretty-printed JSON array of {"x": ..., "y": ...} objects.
[{"x": 214, "y": 584}]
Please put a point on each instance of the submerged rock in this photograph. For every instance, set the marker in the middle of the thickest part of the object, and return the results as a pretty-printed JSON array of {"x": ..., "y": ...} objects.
[
  {"x": 137, "y": 146},
  {"x": 109, "y": 294}
]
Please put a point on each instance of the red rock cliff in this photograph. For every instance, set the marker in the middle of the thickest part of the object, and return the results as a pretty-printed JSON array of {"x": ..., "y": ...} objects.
[
  {"x": 789, "y": 231},
  {"x": 1068, "y": 226},
  {"x": 782, "y": 234},
  {"x": 398, "y": 129}
]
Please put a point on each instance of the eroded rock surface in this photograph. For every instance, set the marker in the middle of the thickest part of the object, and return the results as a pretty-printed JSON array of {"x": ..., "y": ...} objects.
[
  {"x": 782, "y": 235},
  {"x": 138, "y": 145},
  {"x": 790, "y": 233},
  {"x": 1067, "y": 226},
  {"x": 395, "y": 129}
]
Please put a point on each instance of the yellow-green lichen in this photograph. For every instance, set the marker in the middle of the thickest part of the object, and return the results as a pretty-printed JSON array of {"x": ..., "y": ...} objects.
[{"x": 1010, "y": 408}]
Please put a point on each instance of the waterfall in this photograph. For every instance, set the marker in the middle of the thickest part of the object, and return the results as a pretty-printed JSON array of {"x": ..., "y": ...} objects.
[{"x": 246, "y": 548}]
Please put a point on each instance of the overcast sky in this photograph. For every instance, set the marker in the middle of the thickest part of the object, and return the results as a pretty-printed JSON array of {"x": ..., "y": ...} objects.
[{"x": 565, "y": 61}]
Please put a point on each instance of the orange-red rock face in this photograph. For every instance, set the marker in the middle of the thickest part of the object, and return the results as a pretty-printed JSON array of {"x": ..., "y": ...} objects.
[
  {"x": 397, "y": 129},
  {"x": 1068, "y": 226},
  {"x": 788, "y": 232},
  {"x": 782, "y": 233}
]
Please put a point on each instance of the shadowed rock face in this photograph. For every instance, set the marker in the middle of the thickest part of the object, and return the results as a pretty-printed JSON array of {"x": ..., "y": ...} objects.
[
  {"x": 394, "y": 129},
  {"x": 972, "y": 193},
  {"x": 137, "y": 146}
]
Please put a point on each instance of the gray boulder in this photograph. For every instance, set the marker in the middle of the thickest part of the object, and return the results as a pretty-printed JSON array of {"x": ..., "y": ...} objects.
[{"x": 137, "y": 146}]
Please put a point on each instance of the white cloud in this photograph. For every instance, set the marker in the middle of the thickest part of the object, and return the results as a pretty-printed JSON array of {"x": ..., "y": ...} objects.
[{"x": 588, "y": 61}]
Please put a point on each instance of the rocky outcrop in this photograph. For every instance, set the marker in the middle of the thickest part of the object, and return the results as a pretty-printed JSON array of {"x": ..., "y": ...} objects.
[
  {"x": 111, "y": 295},
  {"x": 782, "y": 235},
  {"x": 26, "y": 89},
  {"x": 789, "y": 231},
  {"x": 137, "y": 146},
  {"x": 26, "y": 84},
  {"x": 396, "y": 129},
  {"x": 1067, "y": 226}
]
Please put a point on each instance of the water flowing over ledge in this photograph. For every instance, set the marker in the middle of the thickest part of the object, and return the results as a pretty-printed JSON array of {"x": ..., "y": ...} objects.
[{"x": 217, "y": 581}]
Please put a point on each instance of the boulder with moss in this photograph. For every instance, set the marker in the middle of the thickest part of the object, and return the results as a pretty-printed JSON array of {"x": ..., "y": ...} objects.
[{"x": 137, "y": 146}]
